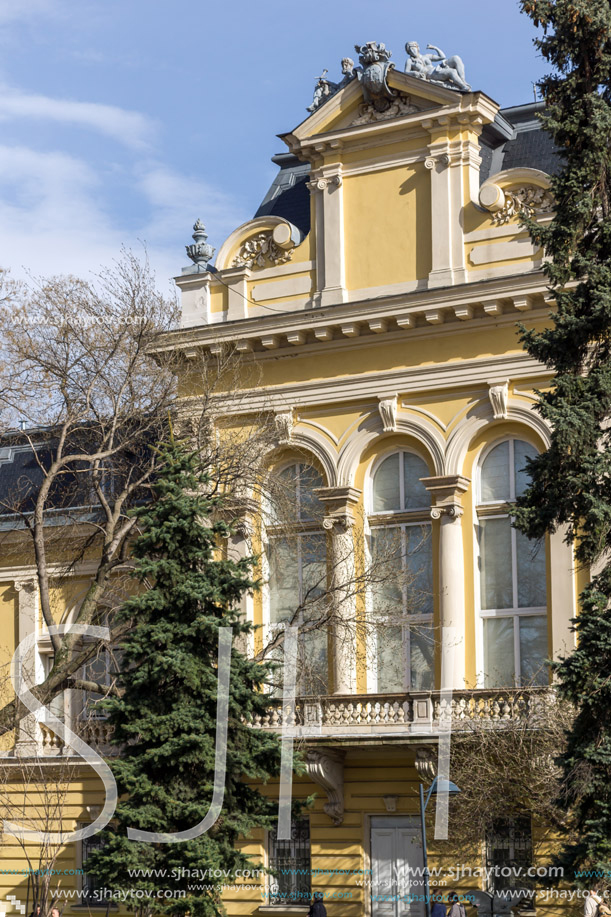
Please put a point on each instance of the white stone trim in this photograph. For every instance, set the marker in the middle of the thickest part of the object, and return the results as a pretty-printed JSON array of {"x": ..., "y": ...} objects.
[
  {"x": 292, "y": 286},
  {"x": 482, "y": 417},
  {"x": 369, "y": 387},
  {"x": 371, "y": 431},
  {"x": 503, "y": 251}
]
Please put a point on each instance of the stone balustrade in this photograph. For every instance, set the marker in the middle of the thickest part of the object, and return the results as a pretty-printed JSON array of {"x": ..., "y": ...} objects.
[
  {"x": 95, "y": 732},
  {"x": 413, "y": 714}
]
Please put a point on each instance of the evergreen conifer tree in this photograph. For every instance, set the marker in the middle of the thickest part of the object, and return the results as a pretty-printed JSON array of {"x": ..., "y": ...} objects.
[
  {"x": 571, "y": 481},
  {"x": 165, "y": 719}
]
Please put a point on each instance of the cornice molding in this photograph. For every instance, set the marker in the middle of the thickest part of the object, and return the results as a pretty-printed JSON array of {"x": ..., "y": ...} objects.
[
  {"x": 368, "y": 387},
  {"x": 425, "y": 311}
]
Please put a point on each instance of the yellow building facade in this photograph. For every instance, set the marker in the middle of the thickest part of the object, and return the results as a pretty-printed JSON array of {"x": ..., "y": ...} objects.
[{"x": 377, "y": 294}]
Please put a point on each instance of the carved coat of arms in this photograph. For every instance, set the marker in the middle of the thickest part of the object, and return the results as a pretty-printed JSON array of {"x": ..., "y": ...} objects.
[{"x": 375, "y": 60}]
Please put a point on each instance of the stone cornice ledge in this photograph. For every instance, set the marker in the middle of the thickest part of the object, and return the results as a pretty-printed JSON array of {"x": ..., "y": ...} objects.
[{"x": 501, "y": 298}]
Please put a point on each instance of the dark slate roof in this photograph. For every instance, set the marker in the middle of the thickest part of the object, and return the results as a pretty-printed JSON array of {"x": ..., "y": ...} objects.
[
  {"x": 288, "y": 196},
  {"x": 513, "y": 139}
]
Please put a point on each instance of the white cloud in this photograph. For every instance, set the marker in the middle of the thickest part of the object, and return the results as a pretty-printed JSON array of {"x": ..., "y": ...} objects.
[
  {"x": 130, "y": 128},
  {"x": 53, "y": 218},
  {"x": 177, "y": 201},
  {"x": 16, "y": 10}
]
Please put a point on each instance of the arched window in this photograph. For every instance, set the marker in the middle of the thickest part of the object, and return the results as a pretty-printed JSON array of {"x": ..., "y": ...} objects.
[
  {"x": 512, "y": 570},
  {"x": 402, "y": 590},
  {"x": 296, "y": 552}
]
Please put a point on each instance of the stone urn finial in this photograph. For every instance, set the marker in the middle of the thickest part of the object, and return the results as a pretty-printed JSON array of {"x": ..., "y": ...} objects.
[{"x": 200, "y": 252}]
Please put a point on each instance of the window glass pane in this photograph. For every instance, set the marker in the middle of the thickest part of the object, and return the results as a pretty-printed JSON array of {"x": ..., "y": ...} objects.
[
  {"x": 533, "y": 650},
  {"x": 499, "y": 668},
  {"x": 495, "y": 563},
  {"x": 422, "y": 658},
  {"x": 390, "y": 659},
  {"x": 386, "y": 491},
  {"x": 313, "y": 571},
  {"x": 495, "y": 475},
  {"x": 416, "y": 494},
  {"x": 531, "y": 572},
  {"x": 310, "y": 506},
  {"x": 97, "y": 669},
  {"x": 522, "y": 451},
  {"x": 283, "y": 579},
  {"x": 419, "y": 569},
  {"x": 386, "y": 571},
  {"x": 284, "y": 498},
  {"x": 313, "y": 677}
]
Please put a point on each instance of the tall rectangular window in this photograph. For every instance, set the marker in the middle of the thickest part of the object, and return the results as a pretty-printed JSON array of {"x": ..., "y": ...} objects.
[
  {"x": 509, "y": 853},
  {"x": 291, "y": 864}
]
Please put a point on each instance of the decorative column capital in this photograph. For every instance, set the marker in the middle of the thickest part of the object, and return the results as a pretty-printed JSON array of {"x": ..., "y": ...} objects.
[
  {"x": 324, "y": 182},
  {"x": 447, "y": 490},
  {"x": 339, "y": 503}
]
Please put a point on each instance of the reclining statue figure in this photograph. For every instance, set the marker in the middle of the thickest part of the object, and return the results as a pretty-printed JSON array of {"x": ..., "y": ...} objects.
[{"x": 449, "y": 70}]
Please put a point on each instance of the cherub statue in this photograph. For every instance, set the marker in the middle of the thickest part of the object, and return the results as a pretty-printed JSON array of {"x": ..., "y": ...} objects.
[{"x": 449, "y": 70}]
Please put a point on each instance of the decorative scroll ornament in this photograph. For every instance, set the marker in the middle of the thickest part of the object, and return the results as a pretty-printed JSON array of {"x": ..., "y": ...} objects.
[
  {"x": 498, "y": 394},
  {"x": 401, "y": 106},
  {"x": 426, "y": 762},
  {"x": 452, "y": 511},
  {"x": 259, "y": 250},
  {"x": 436, "y": 68},
  {"x": 284, "y": 423},
  {"x": 375, "y": 60},
  {"x": 200, "y": 252},
  {"x": 524, "y": 202},
  {"x": 326, "y": 768},
  {"x": 388, "y": 413}
]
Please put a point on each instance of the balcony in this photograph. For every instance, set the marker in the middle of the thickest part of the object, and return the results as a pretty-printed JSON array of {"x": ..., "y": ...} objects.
[
  {"x": 417, "y": 713},
  {"x": 95, "y": 732}
]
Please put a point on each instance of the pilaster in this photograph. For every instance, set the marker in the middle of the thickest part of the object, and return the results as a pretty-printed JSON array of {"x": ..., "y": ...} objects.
[
  {"x": 195, "y": 299},
  {"x": 339, "y": 503},
  {"x": 237, "y": 292},
  {"x": 447, "y": 491},
  {"x": 26, "y": 743},
  {"x": 327, "y": 188}
]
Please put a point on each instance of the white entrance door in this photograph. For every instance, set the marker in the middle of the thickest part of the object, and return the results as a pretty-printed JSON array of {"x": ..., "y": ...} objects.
[{"x": 396, "y": 867}]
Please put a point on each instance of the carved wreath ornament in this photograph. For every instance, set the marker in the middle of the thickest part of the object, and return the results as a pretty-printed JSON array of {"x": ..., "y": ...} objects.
[
  {"x": 259, "y": 250},
  {"x": 527, "y": 201}
]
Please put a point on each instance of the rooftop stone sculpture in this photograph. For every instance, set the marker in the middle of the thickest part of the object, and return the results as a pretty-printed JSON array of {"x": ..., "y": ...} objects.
[
  {"x": 200, "y": 252},
  {"x": 449, "y": 70}
]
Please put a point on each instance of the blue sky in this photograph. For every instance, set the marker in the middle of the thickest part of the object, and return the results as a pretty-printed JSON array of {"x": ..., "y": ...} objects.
[{"x": 122, "y": 121}]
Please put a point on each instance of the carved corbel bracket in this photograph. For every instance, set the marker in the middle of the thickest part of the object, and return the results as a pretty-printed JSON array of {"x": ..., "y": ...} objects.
[
  {"x": 284, "y": 422},
  {"x": 426, "y": 762},
  {"x": 388, "y": 412},
  {"x": 326, "y": 768},
  {"x": 498, "y": 392}
]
